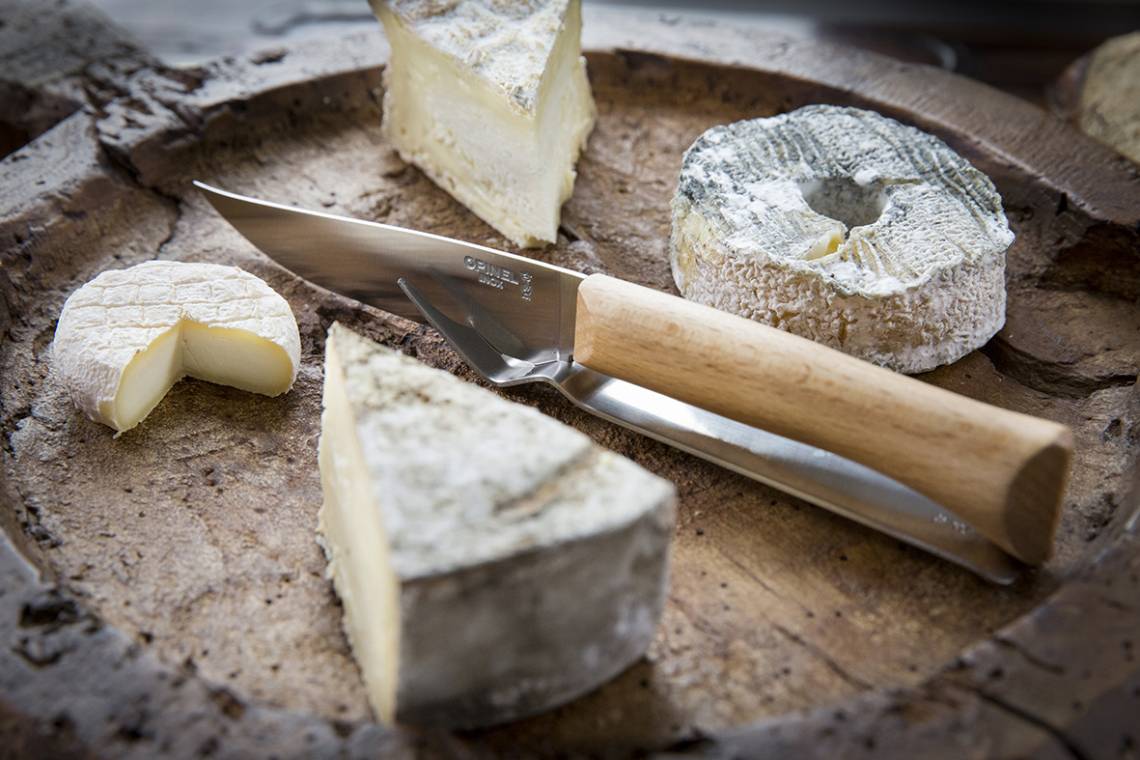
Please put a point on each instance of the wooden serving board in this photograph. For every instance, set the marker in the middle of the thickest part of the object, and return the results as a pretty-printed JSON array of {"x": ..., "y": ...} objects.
[{"x": 162, "y": 591}]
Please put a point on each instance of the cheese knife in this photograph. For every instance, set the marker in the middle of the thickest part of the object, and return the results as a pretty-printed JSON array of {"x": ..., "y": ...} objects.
[{"x": 975, "y": 484}]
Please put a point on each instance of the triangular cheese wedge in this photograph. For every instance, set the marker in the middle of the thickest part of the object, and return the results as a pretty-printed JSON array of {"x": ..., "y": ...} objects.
[
  {"x": 490, "y": 100},
  {"x": 492, "y": 562}
]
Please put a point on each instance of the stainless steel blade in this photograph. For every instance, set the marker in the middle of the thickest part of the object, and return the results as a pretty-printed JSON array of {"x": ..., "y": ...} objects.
[{"x": 364, "y": 260}]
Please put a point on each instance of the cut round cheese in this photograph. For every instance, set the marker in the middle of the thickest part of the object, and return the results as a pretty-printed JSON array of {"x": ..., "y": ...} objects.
[
  {"x": 845, "y": 227},
  {"x": 127, "y": 336},
  {"x": 490, "y": 100},
  {"x": 492, "y": 562}
]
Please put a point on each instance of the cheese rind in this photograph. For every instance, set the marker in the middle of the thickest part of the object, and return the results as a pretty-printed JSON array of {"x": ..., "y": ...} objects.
[
  {"x": 492, "y": 562},
  {"x": 128, "y": 335},
  {"x": 847, "y": 228},
  {"x": 492, "y": 102}
]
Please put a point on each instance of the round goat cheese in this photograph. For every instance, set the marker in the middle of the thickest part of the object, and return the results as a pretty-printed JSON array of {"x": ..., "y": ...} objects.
[
  {"x": 127, "y": 336},
  {"x": 845, "y": 227}
]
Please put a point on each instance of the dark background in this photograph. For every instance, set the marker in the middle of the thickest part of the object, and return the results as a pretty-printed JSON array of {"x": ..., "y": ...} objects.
[{"x": 1018, "y": 46}]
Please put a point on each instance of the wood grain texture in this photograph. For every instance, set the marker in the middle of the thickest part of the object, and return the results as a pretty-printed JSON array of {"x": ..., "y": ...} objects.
[
  {"x": 999, "y": 133},
  {"x": 49, "y": 67},
  {"x": 185, "y": 610},
  {"x": 1002, "y": 472}
]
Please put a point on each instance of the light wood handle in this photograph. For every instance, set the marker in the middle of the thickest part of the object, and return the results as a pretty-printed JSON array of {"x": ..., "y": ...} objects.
[{"x": 1002, "y": 472}]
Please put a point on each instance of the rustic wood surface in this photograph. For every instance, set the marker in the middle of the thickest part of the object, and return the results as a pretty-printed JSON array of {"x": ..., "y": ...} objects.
[{"x": 175, "y": 599}]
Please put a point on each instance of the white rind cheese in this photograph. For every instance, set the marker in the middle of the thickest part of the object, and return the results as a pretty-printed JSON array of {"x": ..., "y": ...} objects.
[
  {"x": 845, "y": 227},
  {"x": 491, "y": 101},
  {"x": 127, "y": 336},
  {"x": 492, "y": 562}
]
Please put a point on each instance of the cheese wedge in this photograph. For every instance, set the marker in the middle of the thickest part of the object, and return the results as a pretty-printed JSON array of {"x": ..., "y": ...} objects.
[
  {"x": 1109, "y": 107},
  {"x": 490, "y": 99},
  {"x": 491, "y": 561},
  {"x": 845, "y": 227},
  {"x": 127, "y": 336}
]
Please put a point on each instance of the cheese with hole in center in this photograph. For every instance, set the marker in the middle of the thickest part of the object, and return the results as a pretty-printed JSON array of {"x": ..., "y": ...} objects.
[
  {"x": 128, "y": 335},
  {"x": 491, "y": 101},
  {"x": 492, "y": 562},
  {"x": 845, "y": 227}
]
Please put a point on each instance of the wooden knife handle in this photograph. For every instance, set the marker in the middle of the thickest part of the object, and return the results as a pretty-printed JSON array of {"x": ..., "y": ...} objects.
[{"x": 1002, "y": 472}]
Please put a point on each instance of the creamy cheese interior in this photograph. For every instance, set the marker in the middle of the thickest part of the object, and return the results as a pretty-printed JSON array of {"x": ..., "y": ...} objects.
[
  {"x": 357, "y": 546},
  {"x": 511, "y": 165},
  {"x": 227, "y": 356}
]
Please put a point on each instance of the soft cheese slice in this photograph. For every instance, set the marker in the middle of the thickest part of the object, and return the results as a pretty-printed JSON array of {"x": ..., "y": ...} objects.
[
  {"x": 847, "y": 228},
  {"x": 127, "y": 336},
  {"x": 491, "y": 561},
  {"x": 491, "y": 100}
]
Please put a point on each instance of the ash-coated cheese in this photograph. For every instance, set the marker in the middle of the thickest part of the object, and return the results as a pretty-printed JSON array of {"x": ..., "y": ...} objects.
[
  {"x": 490, "y": 99},
  {"x": 845, "y": 227},
  {"x": 128, "y": 335},
  {"x": 492, "y": 562}
]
